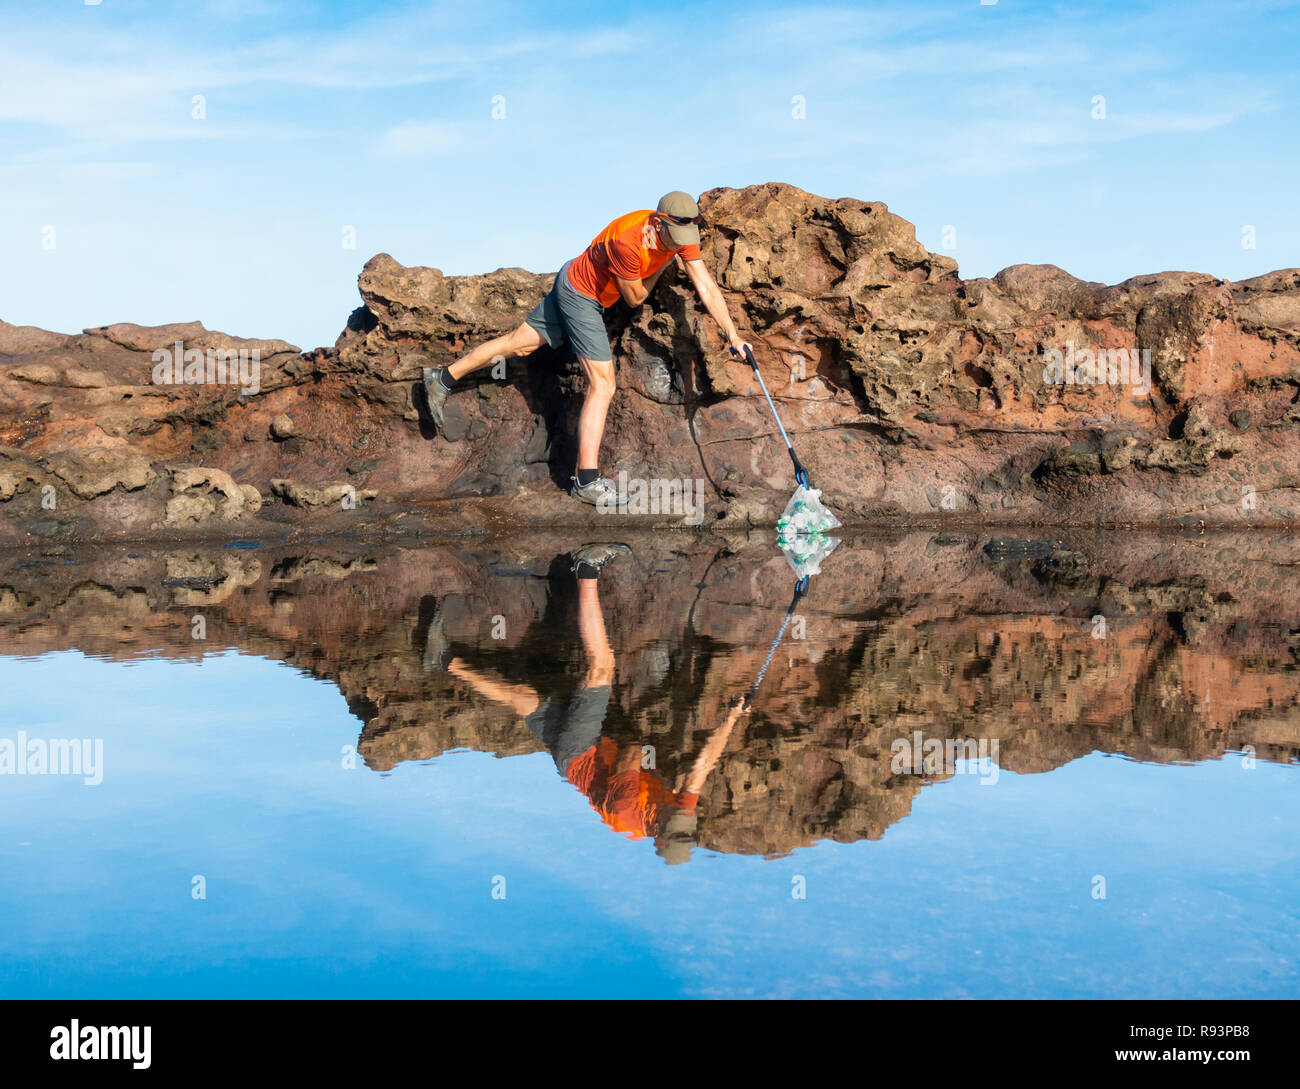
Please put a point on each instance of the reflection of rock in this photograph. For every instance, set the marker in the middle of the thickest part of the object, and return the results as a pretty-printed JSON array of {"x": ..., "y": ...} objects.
[
  {"x": 206, "y": 579},
  {"x": 1197, "y": 655},
  {"x": 296, "y": 568},
  {"x": 909, "y": 390}
]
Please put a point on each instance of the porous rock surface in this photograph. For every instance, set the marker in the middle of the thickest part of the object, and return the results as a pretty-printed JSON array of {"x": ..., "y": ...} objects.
[{"x": 911, "y": 394}]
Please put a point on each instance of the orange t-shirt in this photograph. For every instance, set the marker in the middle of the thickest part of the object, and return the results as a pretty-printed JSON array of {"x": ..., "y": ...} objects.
[
  {"x": 627, "y": 248},
  {"x": 632, "y": 802}
]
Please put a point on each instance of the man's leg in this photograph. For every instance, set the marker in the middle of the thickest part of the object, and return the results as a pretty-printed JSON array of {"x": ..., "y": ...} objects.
[
  {"x": 523, "y": 699},
  {"x": 583, "y": 719},
  {"x": 584, "y": 327},
  {"x": 588, "y": 484},
  {"x": 595, "y": 406},
  {"x": 595, "y": 642},
  {"x": 520, "y": 341},
  {"x": 438, "y": 381}
]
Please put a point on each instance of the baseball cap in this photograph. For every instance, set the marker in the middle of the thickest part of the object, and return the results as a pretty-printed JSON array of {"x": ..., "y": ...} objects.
[
  {"x": 674, "y": 844},
  {"x": 681, "y": 206}
]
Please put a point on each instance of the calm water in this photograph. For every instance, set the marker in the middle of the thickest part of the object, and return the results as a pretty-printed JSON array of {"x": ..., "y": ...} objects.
[{"x": 331, "y": 771}]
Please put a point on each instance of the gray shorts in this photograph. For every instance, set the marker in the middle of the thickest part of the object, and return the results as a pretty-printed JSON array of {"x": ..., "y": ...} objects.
[
  {"x": 568, "y": 314},
  {"x": 568, "y": 728}
]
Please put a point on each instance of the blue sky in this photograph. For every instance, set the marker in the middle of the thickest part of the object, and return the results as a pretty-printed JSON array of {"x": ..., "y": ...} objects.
[
  {"x": 379, "y": 117},
  {"x": 327, "y": 881}
]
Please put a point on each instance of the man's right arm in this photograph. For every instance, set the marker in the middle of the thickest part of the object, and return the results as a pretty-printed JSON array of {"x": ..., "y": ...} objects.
[
  {"x": 634, "y": 292},
  {"x": 625, "y": 267}
]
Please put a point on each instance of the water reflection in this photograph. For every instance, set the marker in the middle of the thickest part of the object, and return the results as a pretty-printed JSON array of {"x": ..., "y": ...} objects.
[
  {"x": 631, "y": 671},
  {"x": 618, "y": 774}
]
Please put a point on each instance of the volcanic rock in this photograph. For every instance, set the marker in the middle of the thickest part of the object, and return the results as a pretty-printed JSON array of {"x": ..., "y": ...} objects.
[
  {"x": 283, "y": 427},
  {"x": 909, "y": 392}
]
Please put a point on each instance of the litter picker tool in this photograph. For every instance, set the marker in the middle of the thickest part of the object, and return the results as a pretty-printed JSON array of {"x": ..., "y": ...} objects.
[
  {"x": 805, "y": 514},
  {"x": 800, "y": 588}
]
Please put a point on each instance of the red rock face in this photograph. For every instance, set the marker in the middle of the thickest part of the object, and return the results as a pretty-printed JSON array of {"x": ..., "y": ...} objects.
[{"x": 909, "y": 392}]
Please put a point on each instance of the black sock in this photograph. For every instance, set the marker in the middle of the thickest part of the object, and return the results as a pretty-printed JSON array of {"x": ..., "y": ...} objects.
[
  {"x": 584, "y": 570},
  {"x": 445, "y": 380},
  {"x": 586, "y": 476}
]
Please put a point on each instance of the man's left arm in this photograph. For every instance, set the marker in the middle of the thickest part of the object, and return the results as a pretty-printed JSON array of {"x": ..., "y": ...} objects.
[{"x": 711, "y": 296}]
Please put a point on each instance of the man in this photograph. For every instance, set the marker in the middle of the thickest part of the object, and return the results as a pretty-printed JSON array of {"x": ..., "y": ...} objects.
[
  {"x": 630, "y": 799},
  {"x": 624, "y": 261}
]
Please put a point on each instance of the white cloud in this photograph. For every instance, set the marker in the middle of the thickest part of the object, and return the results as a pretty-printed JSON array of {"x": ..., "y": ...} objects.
[{"x": 414, "y": 139}]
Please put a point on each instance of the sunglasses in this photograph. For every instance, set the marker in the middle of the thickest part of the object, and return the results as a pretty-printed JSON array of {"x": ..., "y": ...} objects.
[{"x": 681, "y": 220}]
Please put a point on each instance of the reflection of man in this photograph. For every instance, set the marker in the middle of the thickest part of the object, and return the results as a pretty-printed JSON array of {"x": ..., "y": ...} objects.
[{"x": 628, "y": 797}]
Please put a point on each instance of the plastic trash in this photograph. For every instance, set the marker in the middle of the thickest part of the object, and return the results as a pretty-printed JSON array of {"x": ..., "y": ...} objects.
[
  {"x": 806, "y": 554},
  {"x": 805, "y": 515}
]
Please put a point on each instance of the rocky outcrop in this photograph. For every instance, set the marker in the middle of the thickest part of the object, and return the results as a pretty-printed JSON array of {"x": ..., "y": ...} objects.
[
  {"x": 204, "y": 495},
  {"x": 910, "y": 392}
]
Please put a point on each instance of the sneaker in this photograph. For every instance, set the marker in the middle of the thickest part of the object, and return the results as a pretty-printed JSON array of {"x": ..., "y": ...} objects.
[
  {"x": 598, "y": 555},
  {"x": 599, "y": 492},
  {"x": 435, "y": 396}
]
